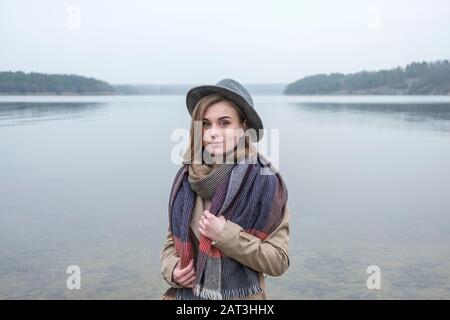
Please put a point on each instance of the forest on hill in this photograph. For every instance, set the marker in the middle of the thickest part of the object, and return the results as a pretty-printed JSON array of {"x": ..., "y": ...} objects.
[
  {"x": 417, "y": 78},
  {"x": 19, "y": 82}
]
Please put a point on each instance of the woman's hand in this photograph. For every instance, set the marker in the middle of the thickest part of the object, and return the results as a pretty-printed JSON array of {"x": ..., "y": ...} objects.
[
  {"x": 184, "y": 276},
  {"x": 211, "y": 226}
]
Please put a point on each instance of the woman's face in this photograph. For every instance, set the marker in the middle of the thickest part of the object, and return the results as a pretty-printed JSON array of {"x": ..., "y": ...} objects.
[{"x": 221, "y": 128}]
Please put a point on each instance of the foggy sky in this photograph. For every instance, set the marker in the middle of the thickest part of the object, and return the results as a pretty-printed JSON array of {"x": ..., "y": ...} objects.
[{"x": 138, "y": 41}]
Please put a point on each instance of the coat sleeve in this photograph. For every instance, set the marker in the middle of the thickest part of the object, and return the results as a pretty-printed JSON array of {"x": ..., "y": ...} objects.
[
  {"x": 268, "y": 256},
  {"x": 169, "y": 259}
]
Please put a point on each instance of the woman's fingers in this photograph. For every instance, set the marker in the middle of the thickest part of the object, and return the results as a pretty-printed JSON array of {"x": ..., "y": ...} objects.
[
  {"x": 208, "y": 214},
  {"x": 179, "y": 273},
  {"x": 202, "y": 229},
  {"x": 190, "y": 284},
  {"x": 183, "y": 271},
  {"x": 190, "y": 281},
  {"x": 185, "y": 276},
  {"x": 186, "y": 273},
  {"x": 185, "y": 279}
]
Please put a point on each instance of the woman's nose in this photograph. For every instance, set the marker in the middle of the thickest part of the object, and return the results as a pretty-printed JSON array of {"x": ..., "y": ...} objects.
[{"x": 214, "y": 131}]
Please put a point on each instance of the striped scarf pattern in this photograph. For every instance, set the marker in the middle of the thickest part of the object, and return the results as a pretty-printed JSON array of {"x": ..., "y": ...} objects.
[{"x": 252, "y": 195}]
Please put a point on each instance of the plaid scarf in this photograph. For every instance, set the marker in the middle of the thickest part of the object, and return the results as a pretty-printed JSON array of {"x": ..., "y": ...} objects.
[{"x": 253, "y": 195}]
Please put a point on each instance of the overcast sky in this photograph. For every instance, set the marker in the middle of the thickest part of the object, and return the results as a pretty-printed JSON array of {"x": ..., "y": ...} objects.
[{"x": 144, "y": 41}]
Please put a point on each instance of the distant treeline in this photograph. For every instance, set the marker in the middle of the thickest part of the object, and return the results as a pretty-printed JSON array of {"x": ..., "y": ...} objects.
[
  {"x": 41, "y": 83},
  {"x": 415, "y": 79},
  {"x": 18, "y": 83}
]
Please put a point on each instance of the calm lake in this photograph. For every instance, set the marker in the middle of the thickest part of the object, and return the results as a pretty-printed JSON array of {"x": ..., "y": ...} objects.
[{"x": 85, "y": 181}]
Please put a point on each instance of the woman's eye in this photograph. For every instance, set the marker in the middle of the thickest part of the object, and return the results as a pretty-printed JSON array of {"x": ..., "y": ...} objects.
[
  {"x": 205, "y": 124},
  {"x": 225, "y": 123}
]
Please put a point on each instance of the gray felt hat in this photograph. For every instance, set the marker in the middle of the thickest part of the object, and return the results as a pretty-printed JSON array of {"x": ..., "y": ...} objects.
[{"x": 234, "y": 91}]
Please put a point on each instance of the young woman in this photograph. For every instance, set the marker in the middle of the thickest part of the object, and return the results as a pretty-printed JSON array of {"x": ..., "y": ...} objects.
[{"x": 228, "y": 214}]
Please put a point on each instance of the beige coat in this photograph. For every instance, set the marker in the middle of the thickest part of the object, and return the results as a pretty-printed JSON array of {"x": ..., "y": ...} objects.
[{"x": 267, "y": 257}]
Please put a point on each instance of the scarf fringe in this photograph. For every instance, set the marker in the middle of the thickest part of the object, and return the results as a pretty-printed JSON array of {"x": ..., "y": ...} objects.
[{"x": 211, "y": 294}]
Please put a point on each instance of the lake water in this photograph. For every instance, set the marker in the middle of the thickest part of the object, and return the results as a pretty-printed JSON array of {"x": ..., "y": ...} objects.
[{"x": 85, "y": 181}]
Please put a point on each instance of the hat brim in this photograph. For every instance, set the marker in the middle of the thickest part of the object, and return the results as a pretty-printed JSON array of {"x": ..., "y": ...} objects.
[{"x": 253, "y": 119}]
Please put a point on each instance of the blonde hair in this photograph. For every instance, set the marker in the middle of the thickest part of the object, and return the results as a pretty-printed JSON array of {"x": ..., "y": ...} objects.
[{"x": 197, "y": 115}]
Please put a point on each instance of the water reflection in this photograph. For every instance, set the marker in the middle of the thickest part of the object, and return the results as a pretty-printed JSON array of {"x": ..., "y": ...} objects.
[
  {"x": 434, "y": 116},
  {"x": 94, "y": 193},
  {"x": 23, "y": 113}
]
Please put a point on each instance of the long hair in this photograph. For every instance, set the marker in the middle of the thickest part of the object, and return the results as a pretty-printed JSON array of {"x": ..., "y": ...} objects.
[{"x": 195, "y": 150}]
